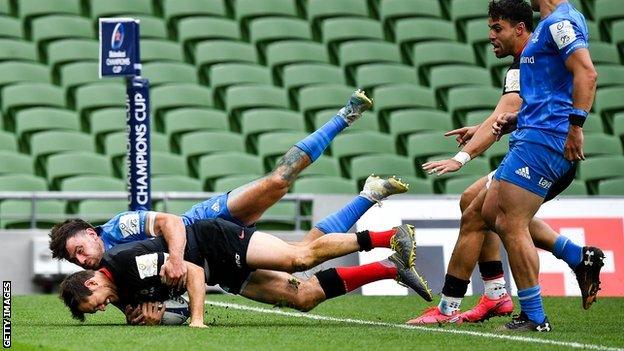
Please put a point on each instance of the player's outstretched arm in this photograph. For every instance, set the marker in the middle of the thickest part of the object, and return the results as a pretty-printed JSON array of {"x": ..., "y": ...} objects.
[
  {"x": 171, "y": 227},
  {"x": 195, "y": 285}
]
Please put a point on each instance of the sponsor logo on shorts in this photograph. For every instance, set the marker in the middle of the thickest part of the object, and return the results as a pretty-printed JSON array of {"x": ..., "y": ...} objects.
[
  {"x": 524, "y": 172},
  {"x": 215, "y": 207},
  {"x": 544, "y": 183}
]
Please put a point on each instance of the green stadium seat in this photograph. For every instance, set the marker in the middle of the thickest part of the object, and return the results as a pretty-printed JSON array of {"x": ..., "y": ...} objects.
[
  {"x": 196, "y": 144},
  {"x": 593, "y": 124},
  {"x": 228, "y": 183},
  {"x": 193, "y": 30},
  {"x": 598, "y": 168},
  {"x": 151, "y": 27},
  {"x": 167, "y": 97},
  {"x": 17, "y": 72},
  {"x": 114, "y": 8},
  {"x": 244, "y": 97},
  {"x": 267, "y": 30},
  {"x": 6, "y": 8},
  {"x": 15, "y": 163},
  {"x": 608, "y": 101},
  {"x": 396, "y": 97},
  {"x": 185, "y": 120},
  {"x": 93, "y": 183},
  {"x": 497, "y": 66},
  {"x": 435, "y": 53},
  {"x": 418, "y": 186},
  {"x": 594, "y": 31},
  {"x": 358, "y": 52},
  {"x": 392, "y": 10},
  {"x": 459, "y": 184},
  {"x": 105, "y": 121},
  {"x": 325, "y": 185},
  {"x": 463, "y": 10},
  {"x": 22, "y": 182},
  {"x": 76, "y": 74},
  {"x": 617, "y": 32},
  {"x": 208, "y": 53},
  {"x": 445, "y": 77},
  {"x": 601, "y": 144},
  {"x": 91, "y": 97},
  {"x": 175, "y": 183},
  {"x": 114, "y": 146},
  {"x": 258, "y": 121},
  {"x": 164, "y": 163},
  {"x": 323, "y": 96},
  {"x": 248, "y": 10},
  {"x": 38, "y": 119},
  {"x": 406, "y": 122},
  {"x": 320, "y": 10},
  {"x": 8, "y": 141},
  {"x": 174, "y": 206},
  {"x": 71, "y": 164},
  {"x": 297, "y": 76},
  {"x": 421, "y": 146},
  {"x": 174, "y": 10},
  {"x": 415, "y": 30},
  {"x": 477, "y": 117},
  {"x": 280, "y": 216},
  {"x": 371, "y": 76},
  {"x": 347, "y": 146},
  {"x": 618, "y": 125},
  {"x": 288, "y": 52},
  {"x": 497, "y": 151},
  {"x": 273, "y": 145},
  {"x": 25, "y": 95},
  {"x": 323, "y": 166},
  {"x": 160, "y": 50},
  {"x": 576, "y": 188},
  {"x": 478, "y": 167},
  {"x": 62, "y": 52},
  {"x": 336, "y": 31},
  {"x": 169, "y": 72},
  {"x": 44, "y": 144},
  {"x": 369, "y": 122},
  {"x": 604, "y": 53},
  {"x": 50, "y": 28},
  {"x": 30, "y": 9},
  {"x": 477, "y": 34},
  {"x": 10, "y": 28},
  {"x": 212, "y": 167},
  {"x": 99, "y": 212},
  {"x": 225, "y": 75},
  {"x": 465, "y": 99},
  {"x": 381, "y": 165},
  {"x": 609, "y": 75},
  {"x": 16, "y": 214},
  {"x": 611, "y": 187},
  {"x": 17, "y": 50},
  {"x": 605, "y": 11}
]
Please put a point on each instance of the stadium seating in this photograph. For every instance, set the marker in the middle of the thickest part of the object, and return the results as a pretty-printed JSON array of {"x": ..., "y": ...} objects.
[
  {"x": 336, "y": 31},
  {"x": 271, "y": 146},
  {"x": 323, "y": 166},
  {"x": 225, "y": 75},
  {"x": 395, "y": 97},
  {"x": 320, "y": 10},
  {"x": 324, "y": 185},
  {"x": 407, "y": 122},
  {"x": 392, "y": 10},
  {"x": 381, "y": 165},
  {"x": 195, "y": 144},
  {"x": 257, "y": 121},
  {"x": 15, "y": 163},
  {"x": 227, "y": 183},
  {"x": 313, "y": 99},
  {"x": 611, "y": 187},
  {"x": 72, "y": 164},
  {"x": 16, "y": 72},
  {"x": 347, "y": 146},
  {"x": 174, "y": 10},
  {"x": 160, "y": 50},
  {"x": 112, "y": 8},
  {"x": 66, "y": 51},
  {"x": 10, "y": 28},
  {"x": 371, "y": 76},
  {"x": 267, "y": 30},
  {"x": 287, "y": 52},
  {"x": 599, "y": 168},
  {"x": 297, "y": 76},
  {"x": 192, "y": 30},
  {"x": 40, "y": 119},
  {"x": 359, "y": 52},
  {"x": 248, "y": 10},
  {"x": 185, "y": 120},
  {"x": 414, "y": 30},
  {"x": 15, "y": 49},
  {"x": 212, "y": 167},
  {"x": 169, "y": 72}
]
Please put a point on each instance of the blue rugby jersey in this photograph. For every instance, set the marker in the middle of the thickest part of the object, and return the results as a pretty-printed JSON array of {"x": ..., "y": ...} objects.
[{"x": 546, "y": 84}]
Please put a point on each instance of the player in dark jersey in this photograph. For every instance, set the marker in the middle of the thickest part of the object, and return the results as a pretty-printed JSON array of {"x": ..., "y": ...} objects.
[
  {"x": 243, "y": 261},
  {"x": 476, "y": 241}
]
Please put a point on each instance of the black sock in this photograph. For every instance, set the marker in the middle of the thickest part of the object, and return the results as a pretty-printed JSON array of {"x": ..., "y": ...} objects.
[
  {"x": 454, "y": 287},
  {"x": 364, "y": 240},
  {"x": 491, "y": 269},
  {"x": 331, "y": 283}
]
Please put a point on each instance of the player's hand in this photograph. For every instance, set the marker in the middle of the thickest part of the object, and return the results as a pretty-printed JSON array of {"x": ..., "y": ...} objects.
[
  {"x": 152, "y": 313},
  {"x": 197, "y": 324},
  {"x": 441, "y": 167},
  {"x": 505, "y": 123},
  {"x": 173, "y": 273},
  {"x": 573, "y": 149},
  {"x": 133, "y": 315},
  {"x": 464, "y": 134}
]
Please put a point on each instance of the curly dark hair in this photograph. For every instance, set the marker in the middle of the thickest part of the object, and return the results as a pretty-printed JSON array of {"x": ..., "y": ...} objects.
[
  {"x": 73, "y": 291},
  {"x": 62, "y": 232},
  {"x": 514, "y": 11}
]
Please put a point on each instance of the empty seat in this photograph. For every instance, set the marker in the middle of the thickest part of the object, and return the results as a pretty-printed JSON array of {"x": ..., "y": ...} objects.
[
  {"x": 184, "y": 120},
  {"x": 164, "y": 163},
  {"x": 395, "y": 97},
  {"x": 24, "y": 95},
  {"x": 593, "y": 124},
  {"x": 208, "y": 53},
  {"x": 49, "y": 28},
  {"x": 381, "y": 165},
  {"x": 273, "y": 145},
  {"x": 14, "y": 49},
  {"x": 46, "y": 143},
  {"x": 325, "y": 185},
  {"x": 72, "y": 75},
  {"x": 195, "y": 144},
  {"x": 10, "y": 28},
  {"x": 458, "y": 185},
  {"x": 370, "y": 76},
  {"x": 245, "y": 97},
  {"x": 174, "y": 10},
  {"x": 323, "y": 166},
  {"x": 463, "y": 10},
  {"x": 429, "y": 54},
  {"x": 169, "y": 72},
  {"x": 192, "y": 30},
  {"x": 464, "y": 99},
  {"x": 224, "y": 75},
  {"x": 576, "y": 188},
  {"x": 347, "y": 146},
  {"x": 336, "y": 31},
  {"x": 105, "y": 121},
  {"x": 424, "y": 145},
  {"x": 66, "y": 51},
  {"x": 100, "y": 211},
  {"x": 414, "y": 30},
  {"x": 151, "y": 27},
  {"x": 16, "y": 72},
  {"x": 449, "y": 76},
  {"x": 287, "y": 52},
  {"x": 38, "y": 119},
  {"x": 248, "y": 10},
  {"x": 406, "y": 122},
  {"x": 609, "y": 75},
  {"x": 601, "y": 144},
  {"x": 611, "y": 187},
  {"x": 30, "y": 9},
  {"x": 319, "y": 10},
  {"x": 112, "y": 8},
  {"x": 93, "y": 183},
  {"x": 160, "y": 50},
  {"x": 212, "y": 167},
  {"x": 88, "y": 98},
  {"x": 605, "y": 12},
  {"x": 175, "y": 183},
  {"x": 228, "y": 183},
  {"x": 358, "y": 52},
  {"x": 609, "y": 101},
  {"x": 167, "y": 97},
  {"x": 297, "y": 76},
  {"x": 267, "y": 30},
  {"x": 75, "y": 163},
  {"x": 15, "y": 163},
  {"x": 598, "y": 168},
  {"x": 604, "y": 53},
  {"x": 257, "y": 121},
  {"x": 617, "y": 32},
  {"x": 319, "y": 97},
  {"x": 8, "y": 141},
  {"x": 392, "y": 10},
  {"x": 369, "y": 122}
]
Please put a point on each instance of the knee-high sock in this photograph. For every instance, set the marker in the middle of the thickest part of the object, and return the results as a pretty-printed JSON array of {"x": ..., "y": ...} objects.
[
  {"x": 339, "y": 281},
  {"x": 531, "y": 303},
  {"x": 345, "y": 218},
  {"x": 314, "y": 144},
  {"x": 568, "y": 251}
]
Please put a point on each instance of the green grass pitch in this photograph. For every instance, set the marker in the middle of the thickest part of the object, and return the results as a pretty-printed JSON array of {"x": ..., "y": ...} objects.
[{"x": 353, "y": 322}]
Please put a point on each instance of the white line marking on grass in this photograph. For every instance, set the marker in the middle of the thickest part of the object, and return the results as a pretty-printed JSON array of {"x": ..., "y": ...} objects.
[{"x": 526, "y": 339}]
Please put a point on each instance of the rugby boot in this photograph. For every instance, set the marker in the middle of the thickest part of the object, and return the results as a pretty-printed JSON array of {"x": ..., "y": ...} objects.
[
  {"x": 432, "y": 315},
  {"x": 588, "y": 274},
  {"x": 403, "y": 242},
  {"x": 408, "y": 276},
  {"x": 357, "y": 104},
  {"x": 522, "y": 323},
  {"x": 377, "y": 189},
  {"x": 487, "y": 308}
]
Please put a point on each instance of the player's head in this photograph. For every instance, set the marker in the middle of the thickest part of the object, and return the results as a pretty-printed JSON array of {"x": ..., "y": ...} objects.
[
  {"x": 510, "y": 22},
  {"x": 77, "y": 241},
  {"x": 87, "y": 292}
]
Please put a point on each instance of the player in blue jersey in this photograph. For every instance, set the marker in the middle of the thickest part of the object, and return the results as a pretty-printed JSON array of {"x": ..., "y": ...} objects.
[{"x": 557, "y": 85}]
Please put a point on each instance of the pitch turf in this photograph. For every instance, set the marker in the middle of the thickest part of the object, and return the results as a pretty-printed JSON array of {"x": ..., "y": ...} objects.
[{"x": 348, "y": 323}]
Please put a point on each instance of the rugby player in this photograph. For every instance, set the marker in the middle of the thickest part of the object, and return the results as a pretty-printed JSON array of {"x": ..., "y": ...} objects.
[
  {"x": 251, "y": 263},
  {"x": 557, "y": 80},
  {"x": 510, "y": 23}
]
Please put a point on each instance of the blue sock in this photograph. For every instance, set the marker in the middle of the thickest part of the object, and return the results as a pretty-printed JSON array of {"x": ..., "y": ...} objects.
[
  {"x": 314, "y": 144},
  {"x": 568, "y": 251},
  {"x": 346, "y": 217},
  {"x": 531, "y": 303}
]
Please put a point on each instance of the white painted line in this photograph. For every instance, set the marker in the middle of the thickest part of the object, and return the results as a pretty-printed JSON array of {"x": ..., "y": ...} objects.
[{"x": 576, "y": 345}]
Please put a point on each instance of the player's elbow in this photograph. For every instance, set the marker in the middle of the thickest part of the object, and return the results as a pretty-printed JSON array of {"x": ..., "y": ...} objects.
[{"x": 592, "y": 75}]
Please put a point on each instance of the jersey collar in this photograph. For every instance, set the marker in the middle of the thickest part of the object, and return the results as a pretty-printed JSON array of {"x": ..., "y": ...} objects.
[
  {"x": 107, "y": 273},
  {"x": 519, "y": 53}
]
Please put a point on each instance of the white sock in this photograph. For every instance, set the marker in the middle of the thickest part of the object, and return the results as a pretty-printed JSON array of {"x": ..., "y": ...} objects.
[
  {"x": 495, "y": 288},
  {"x": 448, "y": 305}
]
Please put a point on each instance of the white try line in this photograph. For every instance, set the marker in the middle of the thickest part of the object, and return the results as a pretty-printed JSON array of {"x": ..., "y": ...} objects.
[{"x": 526, "y": 339}]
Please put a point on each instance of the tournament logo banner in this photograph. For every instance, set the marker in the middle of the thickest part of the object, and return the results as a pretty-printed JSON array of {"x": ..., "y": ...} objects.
[
  {"x": 138, "y": 162},
  {"x": 119, "y": 47}
]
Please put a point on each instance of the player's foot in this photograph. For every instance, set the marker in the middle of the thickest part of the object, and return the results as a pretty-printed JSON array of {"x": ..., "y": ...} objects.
[
  {"x": 377, "y": 189},
  {"x": 522, "y": 323},
  {"x": 357, "y": 104},
  {"x": 408, "y": 276},
  {"x": 486, "y": 309},
  {"x": 432, "y": 315},
  {"x": 588, "y": 274},
  {"x": 403, "y": 242}
]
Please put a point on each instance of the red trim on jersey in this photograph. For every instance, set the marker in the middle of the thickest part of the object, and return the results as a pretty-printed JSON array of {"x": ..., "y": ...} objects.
[
  {"x": 517, "y": 55},
  {"x": 107, "y": 273}
]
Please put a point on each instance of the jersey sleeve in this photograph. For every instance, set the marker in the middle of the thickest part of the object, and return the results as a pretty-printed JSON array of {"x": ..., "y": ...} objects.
[
  {"x": 135, "y": 225},
  {"x": 512, "y": 79},
  {"x": 567, "y": 37}
]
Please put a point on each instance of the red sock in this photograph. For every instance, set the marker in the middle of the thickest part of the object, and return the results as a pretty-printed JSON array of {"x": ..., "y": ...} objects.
[
  {"x": 381, "y": 239},
  {"x": 355, "y": 277}
]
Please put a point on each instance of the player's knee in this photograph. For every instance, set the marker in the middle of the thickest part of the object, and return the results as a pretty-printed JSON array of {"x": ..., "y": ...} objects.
[
  {"x": 302, "y": 260},
  {"x": 471, "y": 220}
]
